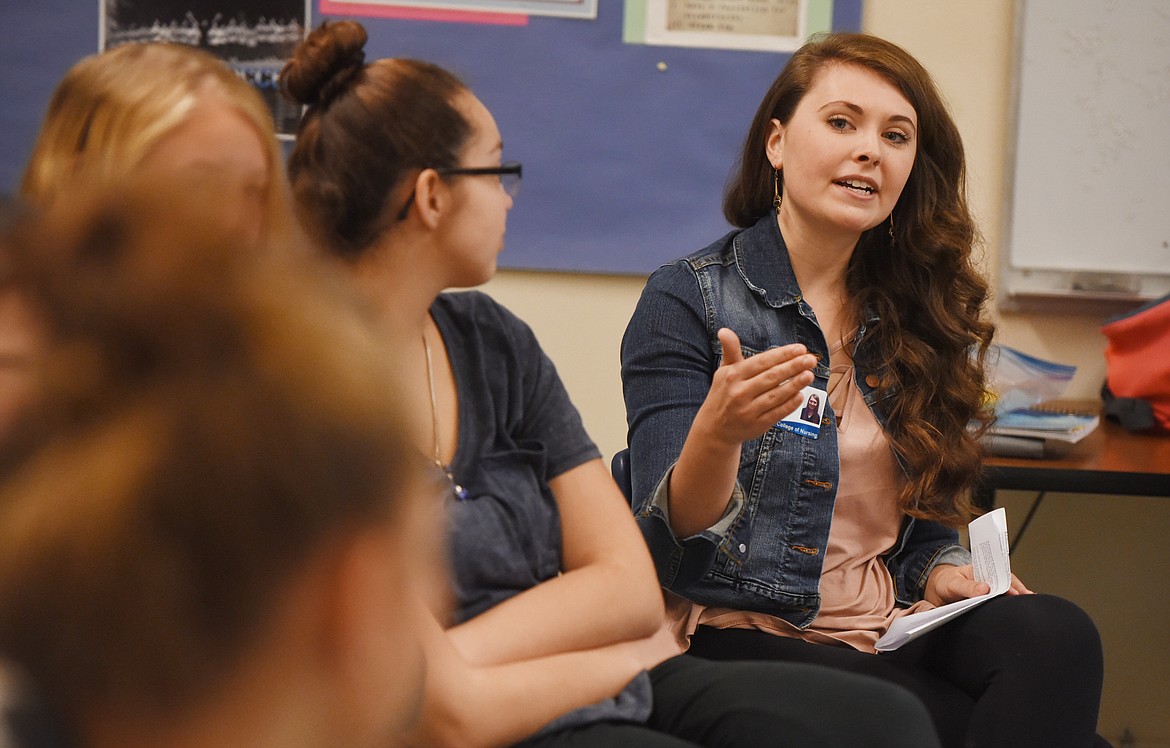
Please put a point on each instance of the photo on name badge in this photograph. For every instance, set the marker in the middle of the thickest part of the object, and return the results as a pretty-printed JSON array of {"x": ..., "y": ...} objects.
[{"x": 806, "y": 419}]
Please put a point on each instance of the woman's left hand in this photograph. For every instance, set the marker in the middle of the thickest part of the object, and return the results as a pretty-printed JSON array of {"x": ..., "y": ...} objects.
[{"x": 948, "y": 583}]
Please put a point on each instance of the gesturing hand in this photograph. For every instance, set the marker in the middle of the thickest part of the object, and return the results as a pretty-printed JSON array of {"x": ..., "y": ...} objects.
[{"x": 748, "y": 396}]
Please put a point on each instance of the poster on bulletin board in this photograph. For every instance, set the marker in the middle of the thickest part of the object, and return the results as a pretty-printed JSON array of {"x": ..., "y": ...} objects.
[
  {"x": 254, "y": 37},
  {"x": 627, "y": 115}
]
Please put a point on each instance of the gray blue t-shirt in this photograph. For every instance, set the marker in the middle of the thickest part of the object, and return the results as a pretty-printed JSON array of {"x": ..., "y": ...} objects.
[{"x": 517, "y": 431}]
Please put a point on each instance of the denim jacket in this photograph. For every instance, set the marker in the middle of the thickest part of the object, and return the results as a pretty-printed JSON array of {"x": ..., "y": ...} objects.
[{"x": 765, "y": 553}]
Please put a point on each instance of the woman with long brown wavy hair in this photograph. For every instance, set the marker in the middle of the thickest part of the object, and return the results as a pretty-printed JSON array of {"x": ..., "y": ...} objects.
[{"x": 850, "y": 278}]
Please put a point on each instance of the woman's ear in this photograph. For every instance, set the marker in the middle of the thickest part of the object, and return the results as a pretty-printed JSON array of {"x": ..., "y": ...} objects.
[
  {"x": 431, "y": 197},
  {"x": 774, "y": 143}
]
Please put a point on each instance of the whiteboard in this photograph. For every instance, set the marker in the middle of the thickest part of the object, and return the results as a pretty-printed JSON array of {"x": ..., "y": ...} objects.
[{"x": 1089, "y": 197}]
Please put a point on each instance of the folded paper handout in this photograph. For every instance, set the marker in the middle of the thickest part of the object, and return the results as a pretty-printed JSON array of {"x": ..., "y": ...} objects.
[{"x": 989, "y": 559}]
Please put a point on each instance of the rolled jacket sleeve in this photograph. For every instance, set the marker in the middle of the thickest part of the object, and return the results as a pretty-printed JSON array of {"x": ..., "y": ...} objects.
[
  {"x": 682, "y": 561},
  {"x": 927, "y": 545}
]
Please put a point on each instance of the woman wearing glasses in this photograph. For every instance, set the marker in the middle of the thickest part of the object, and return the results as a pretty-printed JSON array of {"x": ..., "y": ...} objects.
[{"x": 557, "y": 635}]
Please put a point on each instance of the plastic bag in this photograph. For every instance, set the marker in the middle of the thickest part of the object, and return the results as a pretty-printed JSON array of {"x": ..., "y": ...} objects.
[{"x": 1018, "y": 380}]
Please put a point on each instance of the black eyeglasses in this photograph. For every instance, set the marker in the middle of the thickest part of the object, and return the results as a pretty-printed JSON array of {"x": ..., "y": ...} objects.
[{"x": 509, "y": 175}]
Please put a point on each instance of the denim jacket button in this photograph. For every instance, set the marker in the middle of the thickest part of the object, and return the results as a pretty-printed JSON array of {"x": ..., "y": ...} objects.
[
  {"x": 742, "y": 548},
  {"x": 872, "y": 380}
]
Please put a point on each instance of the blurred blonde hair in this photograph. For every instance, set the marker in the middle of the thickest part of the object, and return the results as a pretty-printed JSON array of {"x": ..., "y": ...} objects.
[{"x": 112, "y": 107}]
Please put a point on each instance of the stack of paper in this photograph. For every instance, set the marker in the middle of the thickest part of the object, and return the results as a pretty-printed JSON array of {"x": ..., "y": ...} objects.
[
  {"x": 1030, "y": 420},
  {"x": 1038, "y": 432},
  {"x": 1044, "y": 423}
]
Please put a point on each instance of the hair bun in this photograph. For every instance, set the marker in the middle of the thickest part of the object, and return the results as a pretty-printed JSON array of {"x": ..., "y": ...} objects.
[{"x": 325, "y": 63}]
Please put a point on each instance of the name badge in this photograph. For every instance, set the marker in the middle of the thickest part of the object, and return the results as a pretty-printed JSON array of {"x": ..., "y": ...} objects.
[{"x": 806, "y": 419}]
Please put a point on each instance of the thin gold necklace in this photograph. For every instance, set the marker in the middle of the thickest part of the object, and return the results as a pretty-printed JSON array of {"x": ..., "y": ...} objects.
[{"x": 460, "y": 492}]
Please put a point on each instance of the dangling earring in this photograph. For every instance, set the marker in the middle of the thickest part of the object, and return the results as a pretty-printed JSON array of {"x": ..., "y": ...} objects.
[
  {"x": 776, "y": 199},
  {"x": 891, "y": 231}
]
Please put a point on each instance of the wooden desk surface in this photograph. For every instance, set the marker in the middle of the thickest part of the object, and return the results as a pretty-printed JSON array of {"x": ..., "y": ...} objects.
[{"x": 1109, "y": 460}]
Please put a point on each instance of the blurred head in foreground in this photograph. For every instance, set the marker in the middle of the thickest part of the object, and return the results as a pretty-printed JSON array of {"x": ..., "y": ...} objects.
[
  {"x": 168, "y": 108},
  {"x": 138, "y": 109},
  {"x": 208, "y": 510}
]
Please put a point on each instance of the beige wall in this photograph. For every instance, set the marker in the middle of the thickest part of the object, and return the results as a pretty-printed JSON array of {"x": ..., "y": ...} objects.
[{"x": 1101, "y": 552}]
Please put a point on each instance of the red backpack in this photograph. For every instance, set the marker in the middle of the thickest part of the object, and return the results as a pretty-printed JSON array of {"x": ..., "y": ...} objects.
[{"x": 1137, "y": 368}]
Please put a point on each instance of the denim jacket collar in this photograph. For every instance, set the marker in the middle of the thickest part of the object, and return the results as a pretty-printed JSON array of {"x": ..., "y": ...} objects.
[{"x": 762, "y": 259}]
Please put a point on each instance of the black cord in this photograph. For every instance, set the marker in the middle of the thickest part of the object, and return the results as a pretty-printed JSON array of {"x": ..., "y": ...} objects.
[{"x": 1027, "y": 521}]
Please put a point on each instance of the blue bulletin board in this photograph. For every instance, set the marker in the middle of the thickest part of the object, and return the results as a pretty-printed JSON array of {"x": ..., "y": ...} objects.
[
  {"x": 626, "y": 147},
  {"x": 39, "y": 41}
]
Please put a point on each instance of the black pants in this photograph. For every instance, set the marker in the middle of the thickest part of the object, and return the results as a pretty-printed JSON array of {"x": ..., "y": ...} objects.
[
  {"x": 1020, "y": 671},
  {"x": 748, "y": 704}
]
